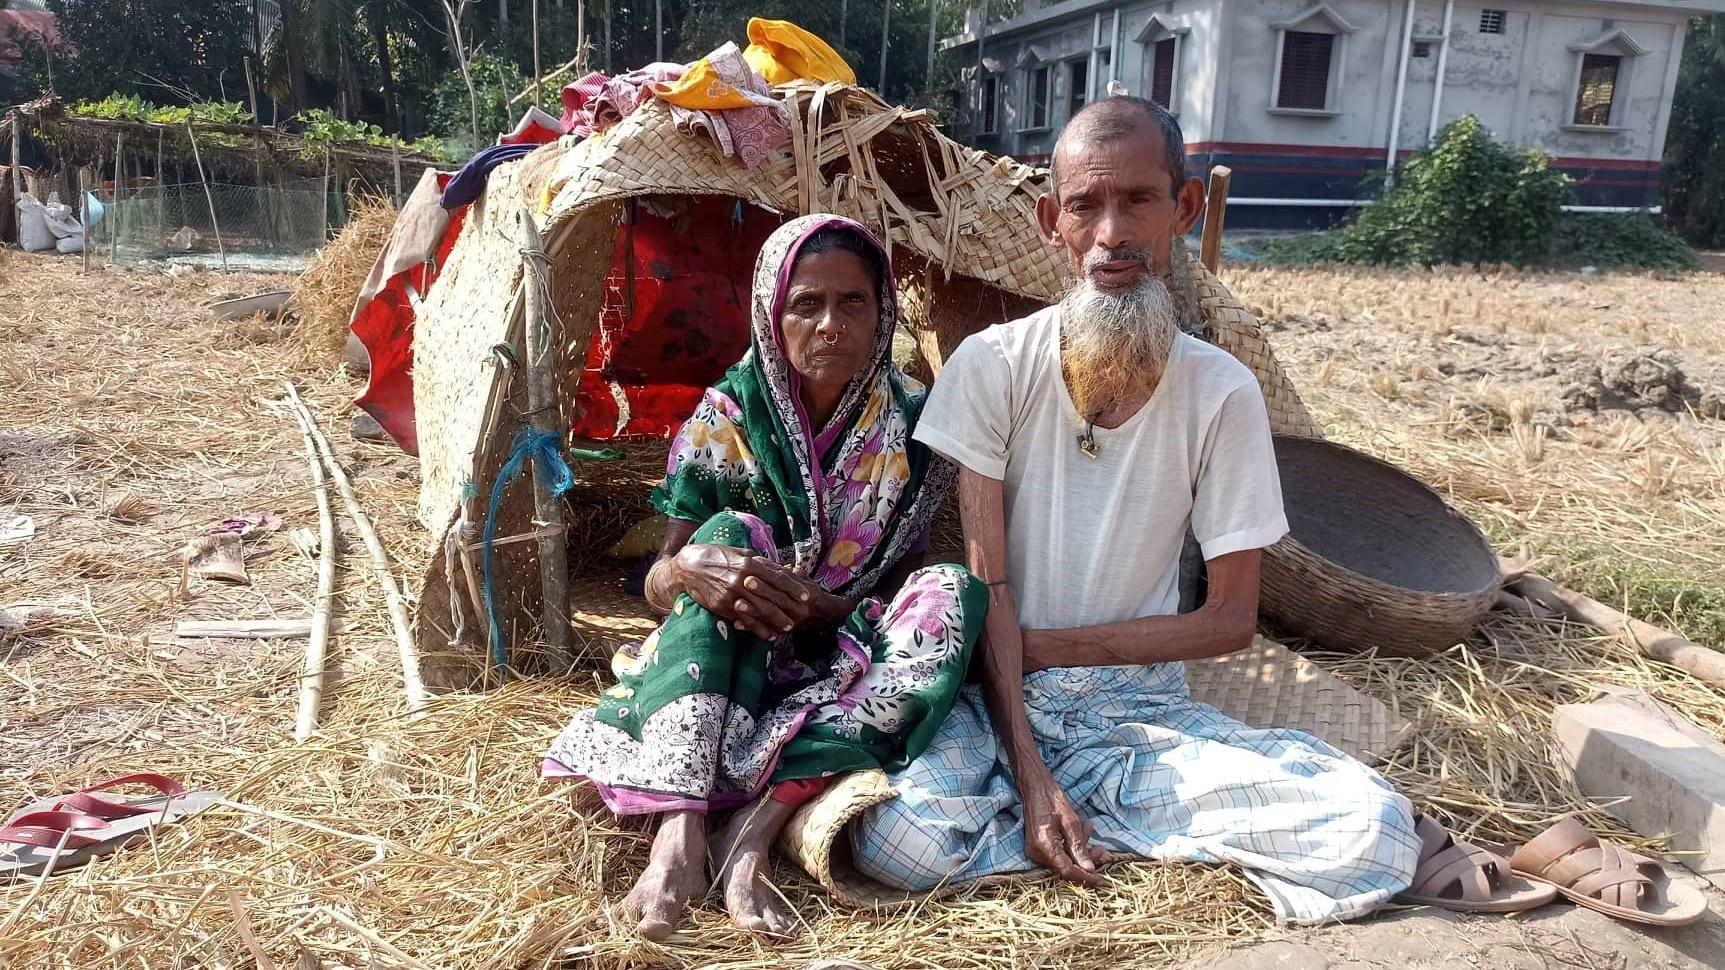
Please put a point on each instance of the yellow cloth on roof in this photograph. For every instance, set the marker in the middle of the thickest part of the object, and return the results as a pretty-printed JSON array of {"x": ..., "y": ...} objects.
[
  {"x": 702, "y": 89},
  {"x": 784, "y": 52}
]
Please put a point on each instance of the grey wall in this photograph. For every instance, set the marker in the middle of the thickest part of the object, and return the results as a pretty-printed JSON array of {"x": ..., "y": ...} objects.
[{"x": 1521, "y": 83}]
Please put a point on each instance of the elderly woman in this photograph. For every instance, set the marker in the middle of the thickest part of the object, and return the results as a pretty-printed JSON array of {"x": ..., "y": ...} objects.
[{"x": 801, "y": 639}]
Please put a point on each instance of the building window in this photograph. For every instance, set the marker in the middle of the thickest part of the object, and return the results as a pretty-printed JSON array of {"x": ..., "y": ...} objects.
[
  {"x": 1162, "y": 55},
  {"x": 1305, "y": 77},
  {"x": 1077, "y": 86},
  {"x": 1422, "y": 48},
  {"x": 990, "y": 97},
  {"x": 1597, "y": 90},
  {"x": 1491, "y": 21},
  {"x": 1036, "y": 96}
]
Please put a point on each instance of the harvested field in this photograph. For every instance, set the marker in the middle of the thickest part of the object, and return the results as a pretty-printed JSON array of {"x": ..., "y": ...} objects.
[{"x": 133, "y": 422}]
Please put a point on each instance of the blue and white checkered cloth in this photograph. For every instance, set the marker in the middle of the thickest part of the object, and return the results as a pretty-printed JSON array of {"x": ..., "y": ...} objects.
[{"x": 1160, "y": 776}]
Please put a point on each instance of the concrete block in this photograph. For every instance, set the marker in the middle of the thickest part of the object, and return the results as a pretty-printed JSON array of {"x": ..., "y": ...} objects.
[{"x": 1654, "y": 769}]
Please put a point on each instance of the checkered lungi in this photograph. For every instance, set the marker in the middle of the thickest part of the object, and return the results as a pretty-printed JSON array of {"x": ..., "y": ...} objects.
[{"x": 1160, "y": 776}]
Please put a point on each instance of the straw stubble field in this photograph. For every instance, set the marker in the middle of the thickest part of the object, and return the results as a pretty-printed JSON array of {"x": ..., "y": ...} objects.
[{"x": 133, "y": 422}]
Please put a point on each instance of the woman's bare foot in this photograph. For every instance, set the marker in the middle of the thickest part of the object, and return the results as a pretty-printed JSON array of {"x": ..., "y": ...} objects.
[
  {"x": 744, "y": 861},
  {"x": 676, "y": 873}
]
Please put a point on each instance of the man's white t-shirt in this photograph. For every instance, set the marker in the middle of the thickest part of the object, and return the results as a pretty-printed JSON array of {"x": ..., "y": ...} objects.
[{"x": 1097, "y": 540}]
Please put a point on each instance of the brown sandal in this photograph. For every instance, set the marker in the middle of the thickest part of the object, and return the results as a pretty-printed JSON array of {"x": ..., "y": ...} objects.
[
  {"x": 1608, "y": 878},
  {"x": 1461, "y": 876}
]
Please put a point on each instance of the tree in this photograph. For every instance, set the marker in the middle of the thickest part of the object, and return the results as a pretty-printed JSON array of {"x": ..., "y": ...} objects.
[
  {"x": 148, "y": 46},
  {"x": 1695, "y": 143}
]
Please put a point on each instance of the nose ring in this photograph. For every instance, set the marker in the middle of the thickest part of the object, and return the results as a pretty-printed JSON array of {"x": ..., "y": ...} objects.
[{"x": 830, "y": 339}]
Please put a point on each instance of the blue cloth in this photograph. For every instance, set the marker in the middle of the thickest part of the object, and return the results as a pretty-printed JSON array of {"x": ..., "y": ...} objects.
[
  {"x": 546, "y": 449},
  {"x": 1161, "y": 777},
  {"x": 466, "y": 185}
]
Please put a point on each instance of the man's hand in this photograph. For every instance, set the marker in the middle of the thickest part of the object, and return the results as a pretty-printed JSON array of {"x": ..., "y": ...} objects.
[
  {"x": 745, "y": 588},
  {"x": 1054, "y": 836}
]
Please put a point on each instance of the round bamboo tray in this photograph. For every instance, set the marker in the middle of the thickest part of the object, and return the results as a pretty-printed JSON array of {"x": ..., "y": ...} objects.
[{"x": 1374, "y": 557}]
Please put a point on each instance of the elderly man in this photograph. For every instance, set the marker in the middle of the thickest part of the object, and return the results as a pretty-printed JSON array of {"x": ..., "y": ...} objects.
[{"x": 1093, "y": 436}]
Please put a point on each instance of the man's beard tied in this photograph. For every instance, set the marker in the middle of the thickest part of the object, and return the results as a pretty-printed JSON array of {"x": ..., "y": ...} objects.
[{"x": 1114, "y": 342}]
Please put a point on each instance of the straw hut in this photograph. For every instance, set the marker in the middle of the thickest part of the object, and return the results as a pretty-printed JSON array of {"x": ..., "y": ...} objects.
[{"x": 962, "y": 235}]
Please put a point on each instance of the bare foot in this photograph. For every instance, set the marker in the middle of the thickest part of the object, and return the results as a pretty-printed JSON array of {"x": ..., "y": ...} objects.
[
  {"x": 676, "y": 873},
  {"x": 746, "y": 870}
]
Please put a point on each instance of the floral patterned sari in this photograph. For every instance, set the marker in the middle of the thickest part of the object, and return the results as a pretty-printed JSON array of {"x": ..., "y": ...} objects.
[{"x": 705, "y": 715}]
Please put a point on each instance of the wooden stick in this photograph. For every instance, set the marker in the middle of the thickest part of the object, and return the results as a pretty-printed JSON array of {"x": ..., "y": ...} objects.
[
  {"x": 411, "y": 680},
  {"x": 311, "y": 674},
  {"x": 1215, "y": 209},
  {"x": 1700, "y": 662},
  {"x": 395, "y": 159},
  {"x": 290, "y": 628},
  {"x": 542, "y": 403},
  {"x": 209, "y": 197}
]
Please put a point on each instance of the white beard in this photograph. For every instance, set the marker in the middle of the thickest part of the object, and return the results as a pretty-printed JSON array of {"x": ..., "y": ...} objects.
[{"x": 1114, "y": 343}]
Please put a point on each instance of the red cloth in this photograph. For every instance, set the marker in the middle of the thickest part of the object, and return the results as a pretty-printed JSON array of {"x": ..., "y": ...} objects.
[
  {"x": 385, "y": 326},
  {"x": 675, "y": 314},
  {"x": 795, "y": 793}
]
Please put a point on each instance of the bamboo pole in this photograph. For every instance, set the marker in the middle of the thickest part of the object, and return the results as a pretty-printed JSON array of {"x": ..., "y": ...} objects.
[
  {"x": 119, "y": 180},
  {"x": 209, "y": 197},
  {"x": 1215, "y": 208},
  {"x": 84, "y": 215},
  {"x": 542, "y": 404},
  {"x": 1700, "y": 662},
  {"x": 311, "y": 674},
  {"x": 17, "y": 169},
  {"x": 411, "y": 681}
]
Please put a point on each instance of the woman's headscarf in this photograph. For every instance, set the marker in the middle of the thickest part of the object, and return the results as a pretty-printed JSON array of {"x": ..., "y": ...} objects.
[{"x": 845, "y": 502}]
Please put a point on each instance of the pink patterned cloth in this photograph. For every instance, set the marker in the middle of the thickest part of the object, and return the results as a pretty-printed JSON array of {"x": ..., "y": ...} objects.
[
  {"x": 750, "y": 135},
  {"x": 595, "y": 102}
]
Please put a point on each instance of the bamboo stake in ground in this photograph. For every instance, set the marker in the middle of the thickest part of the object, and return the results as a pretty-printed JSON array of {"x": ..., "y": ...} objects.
[
  {"x": 1215, "y": 210},
  {"x": 1664, "y": 646},
  {"x": 542, "y": 403},
  {"x": 215, "y": 226},
  {"x": 311, "y": 675},
  {"x": 379, "y": 560}
]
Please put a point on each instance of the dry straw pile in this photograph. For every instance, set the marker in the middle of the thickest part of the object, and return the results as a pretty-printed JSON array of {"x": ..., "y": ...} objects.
[{"x": 324, "y": 295}]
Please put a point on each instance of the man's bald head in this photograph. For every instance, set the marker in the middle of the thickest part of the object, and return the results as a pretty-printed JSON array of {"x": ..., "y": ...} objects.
[{"x": 1114, "y": 118}]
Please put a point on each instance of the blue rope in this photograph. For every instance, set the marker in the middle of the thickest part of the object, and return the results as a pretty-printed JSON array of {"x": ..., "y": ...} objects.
[{"x": 546, "y": 447}]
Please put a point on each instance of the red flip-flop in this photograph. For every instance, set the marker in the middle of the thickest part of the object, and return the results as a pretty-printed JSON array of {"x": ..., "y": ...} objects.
[
  {"x": 172, "y": 803},
  {"x": 34, "y": 841}
]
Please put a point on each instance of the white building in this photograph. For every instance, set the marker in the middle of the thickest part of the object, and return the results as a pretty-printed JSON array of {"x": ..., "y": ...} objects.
[{"x": 1303, "y": 98}]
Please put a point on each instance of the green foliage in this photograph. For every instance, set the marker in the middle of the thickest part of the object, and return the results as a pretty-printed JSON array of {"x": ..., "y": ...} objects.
[
  {"x": 1611, "y": 240},
  {"x": 130, "y": 107},
  {"x": 496, "y": 81},
  {"x": 1466, "y": 199},
  {"x": 1695, "y": 143}
]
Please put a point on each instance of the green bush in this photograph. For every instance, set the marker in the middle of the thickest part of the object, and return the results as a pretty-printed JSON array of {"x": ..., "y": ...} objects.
[
  {"x": 1466, "y": 199},
  {"x": 1611, "y": 240}
]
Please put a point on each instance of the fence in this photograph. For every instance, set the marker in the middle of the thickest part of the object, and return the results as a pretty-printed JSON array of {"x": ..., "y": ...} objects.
[{"x": 273, "y": 227}]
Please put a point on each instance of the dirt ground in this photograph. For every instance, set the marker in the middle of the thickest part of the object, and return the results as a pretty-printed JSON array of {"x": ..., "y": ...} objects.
[{"x": 133, "y": 423}]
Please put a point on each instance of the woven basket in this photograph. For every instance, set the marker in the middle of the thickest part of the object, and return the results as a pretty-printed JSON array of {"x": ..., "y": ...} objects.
[{"x": 1374, "y": 558}]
